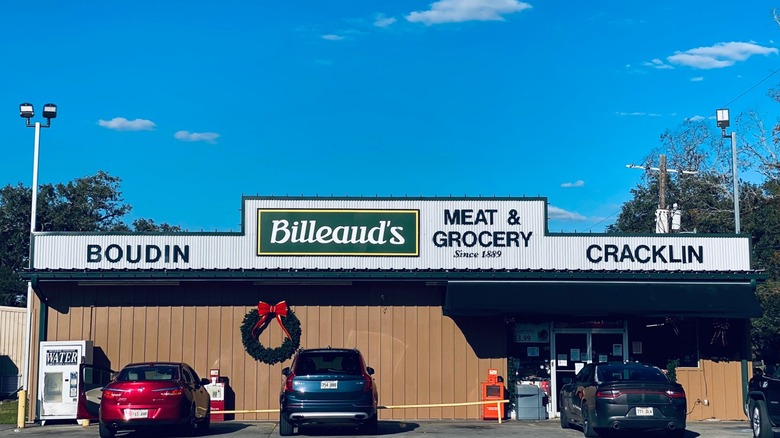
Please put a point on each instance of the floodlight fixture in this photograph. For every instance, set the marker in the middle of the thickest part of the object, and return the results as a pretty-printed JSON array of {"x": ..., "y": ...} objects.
[
  {"x": 50, "y": 111},
  {"x": 26, "y": 110},
  {"x": 722, "y": 117}
]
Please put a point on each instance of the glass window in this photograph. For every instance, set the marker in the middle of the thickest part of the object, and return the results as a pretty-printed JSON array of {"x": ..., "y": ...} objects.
[
  {"x": 187, "y": 375},
  {"x": 722, "y": 338},
  {"x": 326, "y": 362},
  {"x": 156, "y": 372},
  {"x": 656, "y": 341},
  {"x": 195, "y": 377},
  {"x": 611, "y": 373},
  {"x": 585, "y": 374}
]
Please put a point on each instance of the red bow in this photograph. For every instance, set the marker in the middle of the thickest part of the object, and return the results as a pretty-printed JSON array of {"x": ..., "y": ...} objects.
[{"x": 264, "y": 309}]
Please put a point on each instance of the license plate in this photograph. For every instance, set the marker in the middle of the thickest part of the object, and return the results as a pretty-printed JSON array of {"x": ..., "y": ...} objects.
[
  {"x": 644, "y": 412},
  {"x": 329, "y": 384},
  {"x": 137, "y": 413}
]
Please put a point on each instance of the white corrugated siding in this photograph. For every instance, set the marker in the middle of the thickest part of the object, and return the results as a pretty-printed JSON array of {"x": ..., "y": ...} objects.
[{"x": 562, "y": 252}]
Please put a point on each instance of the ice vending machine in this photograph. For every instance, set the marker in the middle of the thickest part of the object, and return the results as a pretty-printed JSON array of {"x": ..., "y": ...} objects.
[{"x": 58, "y": 378}]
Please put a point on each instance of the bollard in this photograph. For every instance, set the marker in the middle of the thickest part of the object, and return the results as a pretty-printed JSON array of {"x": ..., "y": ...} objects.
[{"x": 22, "y": 407}]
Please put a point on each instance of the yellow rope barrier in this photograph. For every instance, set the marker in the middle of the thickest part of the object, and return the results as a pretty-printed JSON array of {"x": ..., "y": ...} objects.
[{"x": 438, "y": 405}]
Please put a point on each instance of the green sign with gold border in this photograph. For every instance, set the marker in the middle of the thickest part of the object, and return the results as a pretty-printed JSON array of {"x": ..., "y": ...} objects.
[{"x": 338, "y": 232}]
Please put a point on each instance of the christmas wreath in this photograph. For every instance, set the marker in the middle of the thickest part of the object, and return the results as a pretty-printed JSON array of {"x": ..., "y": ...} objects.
[{"x": 255, "y": 321}]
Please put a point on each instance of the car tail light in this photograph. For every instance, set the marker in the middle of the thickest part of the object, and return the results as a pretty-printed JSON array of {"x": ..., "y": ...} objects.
[
  {"x": 170, "y": 392},
  {"x": 288, "y": 384},
  {"x": 110, "y": 394},
  {"x": 608, "y": 394},
  {"x": 673, "y": 393},
  {"x": 369, "y": 386}
]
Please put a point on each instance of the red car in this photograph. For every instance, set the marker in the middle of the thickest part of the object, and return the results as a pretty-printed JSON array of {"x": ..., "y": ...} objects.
[{"x": 154, "y": 394}]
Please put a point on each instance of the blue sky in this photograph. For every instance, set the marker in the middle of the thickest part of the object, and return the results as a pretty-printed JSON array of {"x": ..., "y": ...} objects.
[{"x": 196, "y": 103}]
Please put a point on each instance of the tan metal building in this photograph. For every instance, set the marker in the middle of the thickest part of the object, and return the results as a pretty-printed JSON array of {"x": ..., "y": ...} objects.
[
  {"x": 433, "y": 291},
  {"x": 11, "y": 348}
]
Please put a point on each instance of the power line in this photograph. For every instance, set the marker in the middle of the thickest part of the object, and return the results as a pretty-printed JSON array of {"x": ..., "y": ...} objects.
[
  {"x": 751, "y": 88},
  {"x": 604, "y": 219},
  {"x": 748, "y": 90},
  {"x": 723, "y": 106}
]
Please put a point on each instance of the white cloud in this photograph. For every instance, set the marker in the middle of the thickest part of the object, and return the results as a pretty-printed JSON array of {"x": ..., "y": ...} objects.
[
  {"x": 208, "y": 137},
  {"x": 563, "y": 215},
  {"x": 382, "y": 21},
  {"x": 697, "y": 79},
  {"x": 657, "y": 63},
  {"x": 696, "y": 118},
  {"x": 122, "y": 124},
  {"x": 578, "y": 183},
  {"x": 332, "y": 37},
  {"x": 720, "y": 55},
  {"x": 457, "y": 11}
]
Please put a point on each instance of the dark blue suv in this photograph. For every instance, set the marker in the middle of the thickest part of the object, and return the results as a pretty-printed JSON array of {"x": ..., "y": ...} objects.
[{"x": 328, "y": 386}]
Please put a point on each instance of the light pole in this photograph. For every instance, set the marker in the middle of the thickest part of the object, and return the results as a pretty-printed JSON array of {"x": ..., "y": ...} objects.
[
  {"x": 722, "y": 117},
  {"x": 26, "y": 111}
]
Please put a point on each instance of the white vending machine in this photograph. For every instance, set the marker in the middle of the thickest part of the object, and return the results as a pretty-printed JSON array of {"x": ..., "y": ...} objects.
[{"x": 58, "y": 378}]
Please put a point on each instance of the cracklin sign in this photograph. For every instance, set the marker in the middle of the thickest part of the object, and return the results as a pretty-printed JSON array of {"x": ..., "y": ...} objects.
[{"x": 337, "y": 232}]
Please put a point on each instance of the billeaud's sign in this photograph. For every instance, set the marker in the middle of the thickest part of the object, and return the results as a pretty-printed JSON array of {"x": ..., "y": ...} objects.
[
  {"x": 338, "y": 232},
  {"x": 377, "y": 234}
]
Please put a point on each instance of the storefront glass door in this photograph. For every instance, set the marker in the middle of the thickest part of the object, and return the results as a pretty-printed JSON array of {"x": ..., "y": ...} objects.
[
  {"x": 607, "y": 347},
  {"x": 573, "y": 348},
  {"x": 571, "y": 351}
]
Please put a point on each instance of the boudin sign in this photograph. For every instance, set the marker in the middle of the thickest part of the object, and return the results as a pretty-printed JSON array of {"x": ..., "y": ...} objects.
[{"x": 391, "y": 234}]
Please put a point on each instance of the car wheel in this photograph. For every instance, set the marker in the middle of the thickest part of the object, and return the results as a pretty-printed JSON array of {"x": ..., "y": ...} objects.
[
  {"x": 587, "y": 422},
  {"x": 564, "y": 418},
  {"x": 285, "y": 427},
  {"x": 191, "y": 426},
  {"x": 370, "y": 426},
  {"x": 675, "y": 433},
  {"x": 105, "y": 431},
  {"x": 759, "y": 420},
  {"x": 205, "y": 424}
]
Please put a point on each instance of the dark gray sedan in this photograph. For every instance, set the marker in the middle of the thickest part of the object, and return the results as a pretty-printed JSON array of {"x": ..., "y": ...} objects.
[{"x": 623, "y": 396}]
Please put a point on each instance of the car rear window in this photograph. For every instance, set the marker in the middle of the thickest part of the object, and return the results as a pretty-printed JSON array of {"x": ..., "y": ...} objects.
[
  {"x": 328, "y": 362},
  {"x": 613, "y": 373},
  {"x": 152, "y": 372}
]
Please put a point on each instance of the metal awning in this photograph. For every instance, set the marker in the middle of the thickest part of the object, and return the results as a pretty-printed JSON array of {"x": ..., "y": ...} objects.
[{"x": 602, "y": 298}]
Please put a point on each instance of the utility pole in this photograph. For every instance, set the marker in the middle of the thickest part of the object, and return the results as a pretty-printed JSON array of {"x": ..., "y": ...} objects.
[
  {"x": 662, "y": 213},
  {"x": 662, "y": 182}
]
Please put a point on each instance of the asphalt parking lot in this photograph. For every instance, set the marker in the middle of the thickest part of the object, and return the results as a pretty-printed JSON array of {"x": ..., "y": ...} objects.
[{"x": 463, "y": 428}]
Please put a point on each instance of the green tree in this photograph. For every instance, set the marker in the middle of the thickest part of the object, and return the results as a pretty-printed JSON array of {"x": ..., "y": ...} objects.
[
  {"x": 148, "y": 226},
  {"x": 764, "y": 336},
  {"x": 92, "y": 203},
  {"x": 706, "y": 199}
]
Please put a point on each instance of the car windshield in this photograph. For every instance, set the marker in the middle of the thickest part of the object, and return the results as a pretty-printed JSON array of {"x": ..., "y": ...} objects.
[
  {"x": 150, "y": 372},
  {"x": 328, "y": 362},
  {"x": 772, "y": 370},
  {"x": 613, "y": 373}
]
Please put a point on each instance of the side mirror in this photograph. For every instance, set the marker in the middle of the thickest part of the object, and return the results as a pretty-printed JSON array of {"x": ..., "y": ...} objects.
[
  {"x": 204, "y": 381},
  {"x": 286, "y": 371},
  {"x": 370, "y": 371}
]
